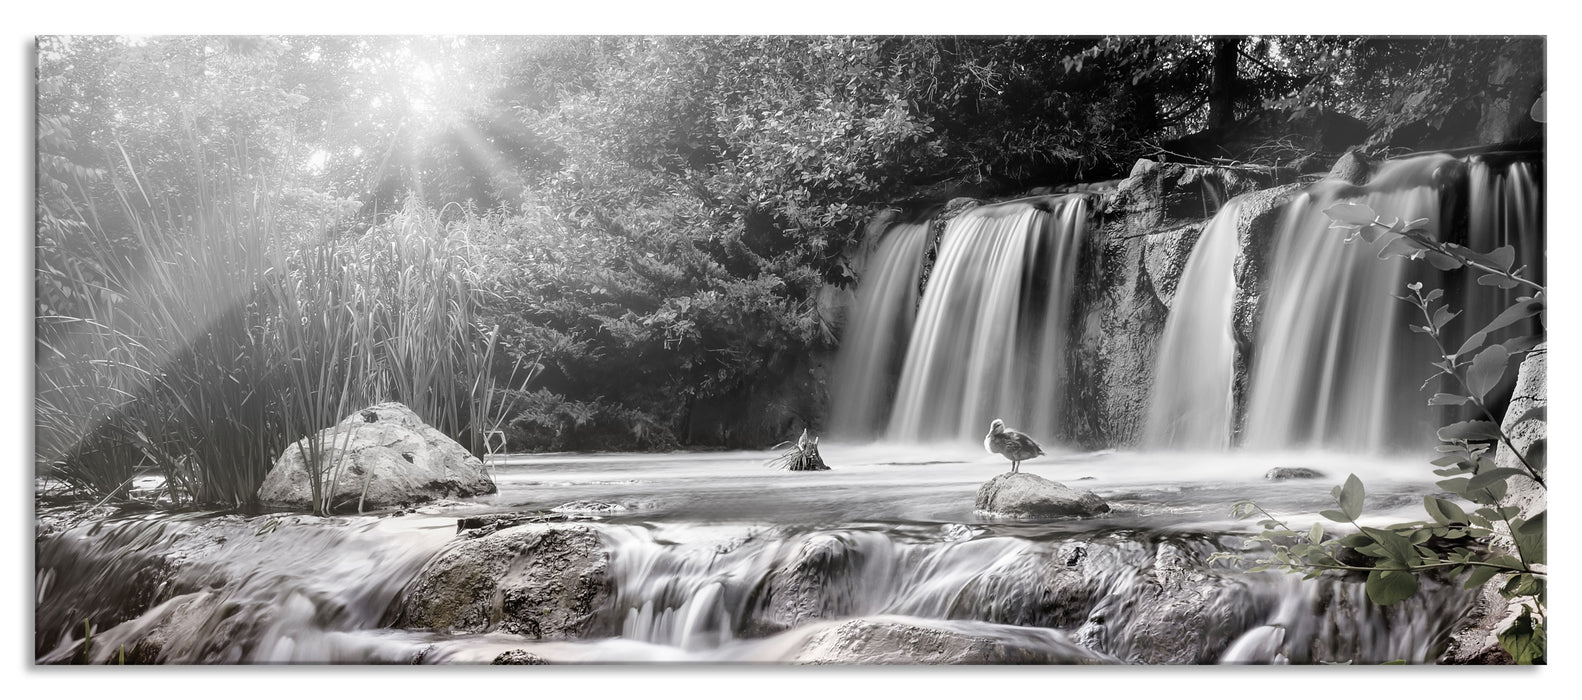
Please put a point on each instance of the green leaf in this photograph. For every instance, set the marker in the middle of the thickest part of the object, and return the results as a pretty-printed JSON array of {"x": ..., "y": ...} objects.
[
  {"x": 1524, "y": 639},
  {"x": 1479, "y": 576},
  {"x": 1512, "y": 314},
  {"x": 1484, "y": 479},
  {"x": 1388, "y": 587},
  {"x": 1316, "y": 534},
  {"x": 1470, "y": 431},
  {"x": 1487, "y": 369},
  {"x": 1532, "y": 538},
  {"x": 1351, "y": 497},
  {"x": 1443, "y": 399},
  {"x": 1456, "y": 486},
  {"x": 1335, "y": 515},
  {"x": 1352, "y": 213}
]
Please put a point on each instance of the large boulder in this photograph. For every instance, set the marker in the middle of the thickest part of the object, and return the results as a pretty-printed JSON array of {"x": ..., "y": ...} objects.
[
  {"x": 1178, "y": 611},
  {"x": 381, "y": 456},
  {"x": 543, "y": 581},
  {"x": 1023, "y": 495},
  {"x": 880, "y": 641}
]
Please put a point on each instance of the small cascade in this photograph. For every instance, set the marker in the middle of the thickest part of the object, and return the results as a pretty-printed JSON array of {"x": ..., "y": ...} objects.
[
  {"x": 990, "y": 336},
  {"x": 1124, "y": 597},
  {"x": 1193, "y": 405},
  {"x": 869, "y": 362},
  {"x": 227, "y": 590}
]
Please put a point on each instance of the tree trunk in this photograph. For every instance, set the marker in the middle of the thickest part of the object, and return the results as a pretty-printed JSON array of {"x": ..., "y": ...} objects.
[{"x": 1222, "y": 84}]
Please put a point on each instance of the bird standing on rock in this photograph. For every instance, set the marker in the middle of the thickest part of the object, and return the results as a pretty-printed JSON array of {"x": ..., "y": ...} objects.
[{"x": 1012, "y": 445}]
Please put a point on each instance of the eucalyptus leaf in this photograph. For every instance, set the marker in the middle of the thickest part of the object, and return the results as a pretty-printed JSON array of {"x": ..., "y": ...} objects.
[
  {"x": 1389, "y": 587},
  {"x": 1487, "y": 369}
]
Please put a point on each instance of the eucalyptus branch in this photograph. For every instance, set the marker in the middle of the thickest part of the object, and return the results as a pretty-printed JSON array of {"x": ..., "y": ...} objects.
[{"x": 1450, "y": 359}]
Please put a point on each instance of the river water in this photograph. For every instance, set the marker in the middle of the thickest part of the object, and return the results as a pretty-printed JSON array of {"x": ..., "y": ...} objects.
[{"x": 889, "y": 535}]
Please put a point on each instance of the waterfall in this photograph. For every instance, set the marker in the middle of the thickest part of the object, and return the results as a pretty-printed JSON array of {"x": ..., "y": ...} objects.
[
  {"x": 1193, "y": 401},
  {"x": 866, "y": 370},
  {"x": 990, "y": 336}
]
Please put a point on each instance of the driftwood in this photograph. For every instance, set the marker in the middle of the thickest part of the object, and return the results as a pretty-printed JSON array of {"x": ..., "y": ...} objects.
[{"x": 801, "y": 456}]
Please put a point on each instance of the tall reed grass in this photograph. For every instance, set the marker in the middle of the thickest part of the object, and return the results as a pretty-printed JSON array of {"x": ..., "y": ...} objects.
[{"x": 206, "y": 339}]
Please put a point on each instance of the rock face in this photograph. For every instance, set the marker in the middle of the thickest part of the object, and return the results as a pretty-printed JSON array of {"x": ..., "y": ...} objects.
[
  {"x": 1023, "y": 495},
  {"x": 385, "y": 456},
  {"x": 878, "y": 641},
  {"x": 544, "y": 581},
  {"x": 538, "y": 580},
  {"x": 1131, "y": 265},
  {"x": 1477, "y": 641},
  {"x": 820, "y": 582},
  {"x": 1178, "y": 612}
]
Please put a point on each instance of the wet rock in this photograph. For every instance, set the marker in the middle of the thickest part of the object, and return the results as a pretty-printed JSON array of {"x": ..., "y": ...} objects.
[
  {"x": 1178, "y": 612},
  {"x": 820, "y": 581},
  {"x": 1287, "y": 473},
  {"x": 543, "y": 581},
  {"x": 1132, "y": 262},
  {"x": 590, "y": 507},
  {"x": 384, "y": 456},
  {"x": 518, "y": 657},
  {"x": 878, "y": 641},
  {"x": 1023, "y": 495}
]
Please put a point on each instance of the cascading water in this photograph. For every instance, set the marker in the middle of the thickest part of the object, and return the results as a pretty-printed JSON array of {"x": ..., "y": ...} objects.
[
  {"x": 865, "y": 374},
  {"x": 320, "y": 590},
  {"x": 990, "y": 336},
  {"x": 1193, "y": 404},
  {"x": 1335, "y": 363}
]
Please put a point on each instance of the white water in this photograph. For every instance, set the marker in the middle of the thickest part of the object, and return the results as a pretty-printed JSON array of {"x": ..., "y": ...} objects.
[
  {"x": 717, "y": 558},
  {"x": 1193, "y": 403},
  {"x": 868, "y": 365},
  {"x": 1334, "y": 363},
  {"x": 990, "y": 337}
]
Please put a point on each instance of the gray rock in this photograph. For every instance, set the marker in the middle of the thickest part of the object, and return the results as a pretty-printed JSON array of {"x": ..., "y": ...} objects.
[
  {"x": 1353, "y": 167},
  {"x": 544, "y": 581},
  {"x": 1285, "y": 473},
  {"x": 889, "y": 642},
  {"x": 1180, "y": 612},
  {"x": 1476, "y": 640},
  {"x": 820, "y": 581},
  {"x": 383, "y": 456},
  {"x": 518, "y": 657},
  {"x": 1023, "y": 495}
]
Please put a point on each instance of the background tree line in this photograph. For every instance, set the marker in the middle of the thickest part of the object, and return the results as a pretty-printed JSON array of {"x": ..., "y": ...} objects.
[{"x": 654, "y": 224}]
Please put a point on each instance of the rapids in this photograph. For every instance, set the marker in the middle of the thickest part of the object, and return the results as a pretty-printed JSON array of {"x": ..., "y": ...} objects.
[{"x": 715, "y": 557}]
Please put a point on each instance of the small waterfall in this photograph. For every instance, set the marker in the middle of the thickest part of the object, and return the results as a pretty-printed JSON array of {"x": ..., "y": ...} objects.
[
  {"x": 293, "y": 589},
  {"x": 1193, "y": 400},
  {"x": 1335, "y": 365},
  {"x": 1119, "y": 595},
  {"x": 990, "y": 336},
  {"x": 869, "y": 362}
]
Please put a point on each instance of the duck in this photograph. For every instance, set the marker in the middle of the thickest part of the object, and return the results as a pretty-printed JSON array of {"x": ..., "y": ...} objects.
[{"x": 1011, "y": 444}]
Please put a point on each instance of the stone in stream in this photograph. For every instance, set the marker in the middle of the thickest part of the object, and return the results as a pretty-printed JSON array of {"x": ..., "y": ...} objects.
[
  {"x": 518, "y": 657},
  {"x": 543, "y": 581},
  {"x": 1179, "y": 612},
  {"x": 387, "y": 456},
  {"x": 1286, "y": 473},
  {"x": 820, "y": 581},
  {"x": 886, "y": 642},
  {"x": 1024, "y": 495}
]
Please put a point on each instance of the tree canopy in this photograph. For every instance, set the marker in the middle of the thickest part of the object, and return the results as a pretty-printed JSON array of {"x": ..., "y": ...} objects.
[{"x": 665, "y": 213}]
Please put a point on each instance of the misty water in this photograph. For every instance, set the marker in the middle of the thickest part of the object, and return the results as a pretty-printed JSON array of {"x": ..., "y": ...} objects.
[{"x": 694, "y": 539}]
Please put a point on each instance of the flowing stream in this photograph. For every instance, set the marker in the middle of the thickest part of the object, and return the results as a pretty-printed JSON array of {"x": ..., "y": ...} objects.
[{"x": 715, "y": 557}]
